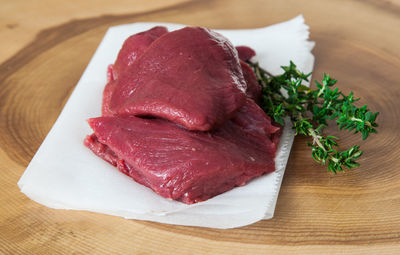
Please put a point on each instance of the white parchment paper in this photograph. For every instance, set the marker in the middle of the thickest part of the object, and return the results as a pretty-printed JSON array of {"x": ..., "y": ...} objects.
[{"x": 64, "y": 174}]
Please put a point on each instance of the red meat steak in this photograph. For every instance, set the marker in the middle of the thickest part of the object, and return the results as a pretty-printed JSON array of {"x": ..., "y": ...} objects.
[
  {"x": 190, "y": 76},
  {"x": 132, "y": 49},
  {"x": 245, "y": 52},
  {"x": 253, "y": 88},
  {"x": 189, "y": 166}
]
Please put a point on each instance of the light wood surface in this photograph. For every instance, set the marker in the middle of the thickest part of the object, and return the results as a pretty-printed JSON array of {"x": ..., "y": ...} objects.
[{"x": 44, "y": 48}]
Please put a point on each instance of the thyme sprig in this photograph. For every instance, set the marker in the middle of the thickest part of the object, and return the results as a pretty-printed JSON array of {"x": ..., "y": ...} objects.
[{"x": 309, "y": 109}]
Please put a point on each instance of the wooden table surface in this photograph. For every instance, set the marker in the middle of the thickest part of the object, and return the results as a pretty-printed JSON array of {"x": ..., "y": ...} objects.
[{"x": 44, "y": 48}]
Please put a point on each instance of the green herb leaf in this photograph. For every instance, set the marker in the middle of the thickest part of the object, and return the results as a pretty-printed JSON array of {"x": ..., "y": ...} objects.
[{"x": 310, "y": 109}]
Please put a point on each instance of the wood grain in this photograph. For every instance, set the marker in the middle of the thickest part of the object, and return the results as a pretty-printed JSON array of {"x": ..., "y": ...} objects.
[
  {"x": 22, "y": 19},
  {"x": 358, "y": 212}
]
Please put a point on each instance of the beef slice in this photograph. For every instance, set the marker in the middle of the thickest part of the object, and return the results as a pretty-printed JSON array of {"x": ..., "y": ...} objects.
[
  {"x": 190, "y": 76},
  {"x": 245, "y": 52},
  {"x": 188, "y": 166},
  {"x": 253, "y": 88},
  {"x": 132, "y": 49}
]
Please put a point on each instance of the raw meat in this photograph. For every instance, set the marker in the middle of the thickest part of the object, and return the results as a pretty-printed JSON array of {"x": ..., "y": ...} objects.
[
  {"x": 245, "y": 52},
  {"x": 189, "y": 166},
  {"x": 190, "y": 76},
  {"x": 179, "y": 115},
  {"x": 253, "y": 88},
  {"x": 107, "y": 93},
  {"x": 132, "y": 49}
]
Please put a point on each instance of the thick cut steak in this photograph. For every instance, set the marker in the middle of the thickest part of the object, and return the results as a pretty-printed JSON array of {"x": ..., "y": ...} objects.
[
  {"x": 190, "y": 76},
  {"x": 189, "y": 166},
  {"x": 179, "y": 115},
  {"x": 132, "y": 49}
]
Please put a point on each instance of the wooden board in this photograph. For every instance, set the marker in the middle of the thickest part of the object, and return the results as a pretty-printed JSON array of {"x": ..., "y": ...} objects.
[{"x": 358, "y": 42}]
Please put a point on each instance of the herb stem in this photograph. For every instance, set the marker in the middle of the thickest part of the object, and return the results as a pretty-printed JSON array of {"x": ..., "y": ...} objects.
[
  {"x": 316, "y": 138},
  {"x": 310, "y": 109},
  {"x": 360, "y": 120}
]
